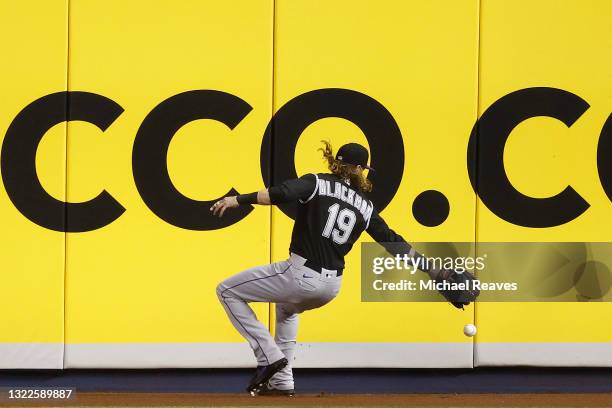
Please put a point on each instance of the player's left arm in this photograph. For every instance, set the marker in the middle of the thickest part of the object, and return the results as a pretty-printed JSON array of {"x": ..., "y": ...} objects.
[
  {"x": 396, "y": 245},
  {"x": 288, "y": 191}
]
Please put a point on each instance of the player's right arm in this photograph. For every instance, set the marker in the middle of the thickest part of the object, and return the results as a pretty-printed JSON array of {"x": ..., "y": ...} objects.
[{"x": 290, "y": 190}]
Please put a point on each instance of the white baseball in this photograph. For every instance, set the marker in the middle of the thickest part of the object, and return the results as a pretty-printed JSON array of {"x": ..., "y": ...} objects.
[{"x": 469, "y": 330}]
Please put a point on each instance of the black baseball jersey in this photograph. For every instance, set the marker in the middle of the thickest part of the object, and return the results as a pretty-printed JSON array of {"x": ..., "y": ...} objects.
[{"x": 331, "y": 216}]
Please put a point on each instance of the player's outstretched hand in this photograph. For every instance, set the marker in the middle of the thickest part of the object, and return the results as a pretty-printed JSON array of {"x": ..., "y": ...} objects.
[{"x": 223, "y": 204}]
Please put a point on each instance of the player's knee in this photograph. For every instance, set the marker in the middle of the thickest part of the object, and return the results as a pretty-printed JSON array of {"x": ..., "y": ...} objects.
[
  {"x": 220, "y": 289},
  {"x": 285, "y": 312}
]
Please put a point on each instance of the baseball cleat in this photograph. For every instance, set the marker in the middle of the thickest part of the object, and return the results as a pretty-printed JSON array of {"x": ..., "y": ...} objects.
[
  {"x": 263, "y": 374},
  {"x": 266, "y": 391}
]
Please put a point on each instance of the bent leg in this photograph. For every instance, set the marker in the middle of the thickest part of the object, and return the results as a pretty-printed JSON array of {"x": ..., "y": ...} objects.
[
  {"x": 324, "y": 290},
  {"x": 260, "y": 284},
  {"x": 286, "y": 332}
]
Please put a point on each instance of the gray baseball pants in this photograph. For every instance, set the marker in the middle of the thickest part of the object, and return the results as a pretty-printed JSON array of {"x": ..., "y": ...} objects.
[{"x": 294, "y": 288}]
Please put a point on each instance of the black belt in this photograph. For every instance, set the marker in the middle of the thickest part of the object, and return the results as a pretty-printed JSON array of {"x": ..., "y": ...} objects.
[{"x": 318, "y": 268}]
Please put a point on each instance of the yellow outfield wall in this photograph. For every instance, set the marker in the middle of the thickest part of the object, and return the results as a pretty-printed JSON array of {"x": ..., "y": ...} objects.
[{"x": 140, "y": 115}]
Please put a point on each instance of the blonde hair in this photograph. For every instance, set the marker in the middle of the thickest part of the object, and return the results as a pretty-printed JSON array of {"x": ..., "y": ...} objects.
[{"x": 344, "y": 170}]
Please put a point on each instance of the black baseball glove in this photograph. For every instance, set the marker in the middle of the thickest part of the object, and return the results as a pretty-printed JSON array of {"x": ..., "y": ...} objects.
[{"x": 460, "y": 297}]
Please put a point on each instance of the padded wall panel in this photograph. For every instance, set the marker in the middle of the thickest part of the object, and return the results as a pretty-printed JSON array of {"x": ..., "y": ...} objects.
[
  {"x": 556, "y": 53},
  {"x": 149, "y": 276},
  {"x": 34, "y": 53},
  {"x": 419, "y": 60}
]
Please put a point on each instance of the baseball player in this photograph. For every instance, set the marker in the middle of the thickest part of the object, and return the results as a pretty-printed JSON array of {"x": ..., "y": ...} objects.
[{"x": 332, "y": 213}]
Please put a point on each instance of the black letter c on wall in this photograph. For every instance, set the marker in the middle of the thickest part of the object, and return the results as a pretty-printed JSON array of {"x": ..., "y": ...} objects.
[
  {"x": 486, "y": 153},
  {"x": 19, "y": 162},
  {"x": 149, "y": 157}
]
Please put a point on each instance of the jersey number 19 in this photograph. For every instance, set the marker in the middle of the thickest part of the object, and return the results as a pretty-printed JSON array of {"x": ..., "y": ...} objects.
[{"x": 345, "y": 221}]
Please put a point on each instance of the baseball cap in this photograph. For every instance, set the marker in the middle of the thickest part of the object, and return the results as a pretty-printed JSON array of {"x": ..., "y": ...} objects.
[{"x": 355, "y": 154}]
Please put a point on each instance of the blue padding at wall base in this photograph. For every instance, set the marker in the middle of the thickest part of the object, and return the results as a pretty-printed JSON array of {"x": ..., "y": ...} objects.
[{"x": 341, "y": 381}]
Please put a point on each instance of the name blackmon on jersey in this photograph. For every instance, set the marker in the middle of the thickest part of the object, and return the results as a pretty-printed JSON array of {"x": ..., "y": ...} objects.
[{"x": 348, "y": 195}]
